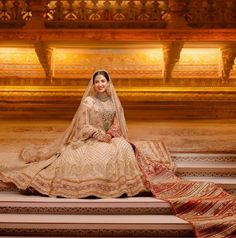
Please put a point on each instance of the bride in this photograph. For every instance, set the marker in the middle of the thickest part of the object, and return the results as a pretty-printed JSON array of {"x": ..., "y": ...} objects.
[{"x": 94, "y": 157}]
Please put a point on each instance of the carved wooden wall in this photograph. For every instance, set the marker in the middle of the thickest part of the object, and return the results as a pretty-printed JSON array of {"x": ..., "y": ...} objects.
[{"x": 166, "y": 58}]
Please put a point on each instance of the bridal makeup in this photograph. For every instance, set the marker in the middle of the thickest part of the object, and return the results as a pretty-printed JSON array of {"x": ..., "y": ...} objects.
[{"x": 100, "y": 84}]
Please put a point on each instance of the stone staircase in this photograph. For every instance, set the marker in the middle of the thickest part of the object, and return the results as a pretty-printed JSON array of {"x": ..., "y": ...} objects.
[
  {"x": 140, "y": 216},
  {"x": 137, "y": 216},
  {"x": 202, "y": 150},
  {"x": 219, "y": 168}
]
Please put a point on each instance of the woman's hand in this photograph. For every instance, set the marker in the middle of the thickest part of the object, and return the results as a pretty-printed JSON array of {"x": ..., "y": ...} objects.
[
  {"x": 102, "y": 137},
  {"x": 106, "y": 138}
]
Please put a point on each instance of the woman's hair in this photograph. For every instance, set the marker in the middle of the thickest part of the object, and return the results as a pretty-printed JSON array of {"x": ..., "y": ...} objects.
[{"x": 103, "y": 73}]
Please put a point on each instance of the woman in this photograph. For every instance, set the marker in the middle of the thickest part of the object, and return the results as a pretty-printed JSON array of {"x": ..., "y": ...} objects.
[{"x": 93, "y": 157}]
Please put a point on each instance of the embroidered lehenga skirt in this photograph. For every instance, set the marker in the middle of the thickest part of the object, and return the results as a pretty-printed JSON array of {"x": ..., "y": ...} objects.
[{"x": 93, "y": 169}]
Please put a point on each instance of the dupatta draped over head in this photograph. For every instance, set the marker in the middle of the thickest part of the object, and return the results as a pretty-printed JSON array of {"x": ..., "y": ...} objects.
[{"x": 33, "y": 153}]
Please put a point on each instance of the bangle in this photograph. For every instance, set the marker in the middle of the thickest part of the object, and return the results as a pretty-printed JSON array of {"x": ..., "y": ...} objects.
[{"x": 109, "y": 133}]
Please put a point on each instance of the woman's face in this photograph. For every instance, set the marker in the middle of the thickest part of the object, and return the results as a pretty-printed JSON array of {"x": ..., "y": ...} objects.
[{"x": 100, "y": 84}]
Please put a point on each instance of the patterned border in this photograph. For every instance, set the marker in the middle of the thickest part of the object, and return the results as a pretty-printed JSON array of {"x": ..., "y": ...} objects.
[
  {"x": 87, "y": 210},
  {"x": 141, "y": 35},
  {"x": 97, "y": 232},
  {"x": 206, "y": 174},
  {"x": 203, "y": 157}
]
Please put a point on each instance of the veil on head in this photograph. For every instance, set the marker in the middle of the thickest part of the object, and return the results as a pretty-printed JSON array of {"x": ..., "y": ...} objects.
[{"x": 36, "y": 153}]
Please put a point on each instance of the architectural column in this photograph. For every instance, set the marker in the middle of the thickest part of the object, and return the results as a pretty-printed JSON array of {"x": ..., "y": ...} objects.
[
  {"x": 171, "y": 53},
  {"x": 228, "y": 55},
  {"x": 45, "y": 56}
]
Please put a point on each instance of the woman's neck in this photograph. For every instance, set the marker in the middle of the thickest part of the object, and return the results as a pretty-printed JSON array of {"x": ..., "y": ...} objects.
[{"x": 102, "y": 96}]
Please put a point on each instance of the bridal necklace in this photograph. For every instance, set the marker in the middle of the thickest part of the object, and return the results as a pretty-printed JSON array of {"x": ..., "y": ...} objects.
[
  {"x": 102, "y": 96},
  {"x": 107, "y": 113}
]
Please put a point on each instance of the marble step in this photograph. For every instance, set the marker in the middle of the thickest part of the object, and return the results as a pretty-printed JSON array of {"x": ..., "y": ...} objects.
[
  {"x": 227, "y": 183},
  {"x": 206, "y": 168},
  {"x": 191, "y": 156},
  {"x": 14, "y": 202},
  {"x": 94, "y": 225}
]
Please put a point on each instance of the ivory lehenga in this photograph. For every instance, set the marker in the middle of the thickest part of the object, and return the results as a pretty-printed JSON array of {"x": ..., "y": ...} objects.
[{"x": 78, "y": 165}]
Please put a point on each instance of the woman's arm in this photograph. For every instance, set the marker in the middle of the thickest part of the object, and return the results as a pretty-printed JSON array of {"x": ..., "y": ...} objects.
[{"x": 85, "y": 129}]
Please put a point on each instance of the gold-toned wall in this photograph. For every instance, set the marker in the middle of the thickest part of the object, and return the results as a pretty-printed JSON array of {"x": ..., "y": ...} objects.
[{"x": 170, "y": 64}]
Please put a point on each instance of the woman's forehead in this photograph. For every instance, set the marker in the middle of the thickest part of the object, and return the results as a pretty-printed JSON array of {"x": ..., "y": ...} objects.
[{"x": 100, "y": 76}]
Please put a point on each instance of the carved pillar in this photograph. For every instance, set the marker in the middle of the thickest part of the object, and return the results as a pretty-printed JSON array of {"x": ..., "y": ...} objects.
[
  {"x": 45, "y": 56},
  {"x": 228, "y": 55},
  {"x": 37, "y": 9},
  {"x": 171, "y": 53},
  {"x": 176, "y": 14}
]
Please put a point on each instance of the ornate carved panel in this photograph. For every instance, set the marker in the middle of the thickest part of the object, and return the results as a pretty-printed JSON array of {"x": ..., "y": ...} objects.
[
  {"x": 121, "y": 63},
  {"x": 211, "y": 13},
  {"x": 144, "y": 14},
  {"x": 19, "y": 63},
  {"x": 104, "y": 13},
  {"x": 119, "y": 13},
  {"x": 128, "y": 65},
  {"x": 175, "y": 13},
  {"x": 14, "y": 13},
  {"x": 198, "y": 63},
  {"x": 233, "y": 72}
]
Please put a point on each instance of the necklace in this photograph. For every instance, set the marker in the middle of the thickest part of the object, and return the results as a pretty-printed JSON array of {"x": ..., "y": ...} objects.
[
  {"x": 102, "y": 96},
  {"x": 107, "y": 113}
]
